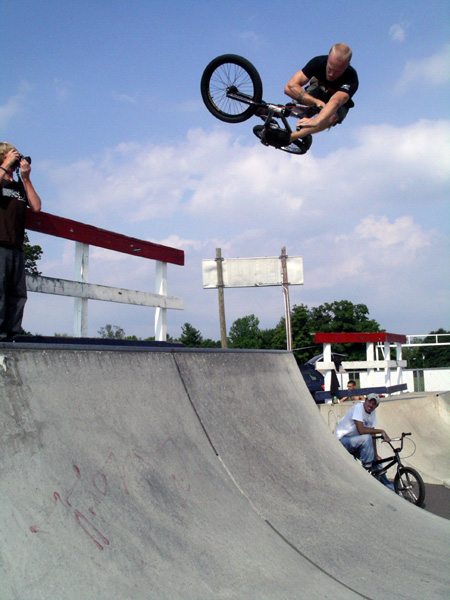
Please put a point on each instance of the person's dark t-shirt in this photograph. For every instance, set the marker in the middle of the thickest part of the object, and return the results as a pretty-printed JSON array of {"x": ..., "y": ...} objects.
[
  {"x": 13, "y": 210},
  {"x": 347, "y": 82}
]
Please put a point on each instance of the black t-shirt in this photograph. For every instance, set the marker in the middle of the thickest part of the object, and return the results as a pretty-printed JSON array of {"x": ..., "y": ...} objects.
[
  {"x": 347, "y": 82},
  {"x": 13, "y": 210}
]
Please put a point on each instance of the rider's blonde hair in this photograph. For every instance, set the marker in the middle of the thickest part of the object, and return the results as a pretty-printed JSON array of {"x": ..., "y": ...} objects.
[
  {"x": 342, "y": 52},
  {"x": 5, "y": 147}
]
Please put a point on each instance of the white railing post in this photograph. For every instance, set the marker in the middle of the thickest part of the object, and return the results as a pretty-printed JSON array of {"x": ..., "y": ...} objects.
[
  {"x": 399, "y": 357},
  {"x": 161, "y": 313},
  {"x": 327, "y": 359},
  {"x": 387, "y": 358},
  {"x": 80, "y": 313},
  {"x": 370, "y": 357}
]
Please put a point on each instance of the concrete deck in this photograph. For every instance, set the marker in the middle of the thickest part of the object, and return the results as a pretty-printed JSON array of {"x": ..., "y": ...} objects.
[{"x": 195, "y": 475}]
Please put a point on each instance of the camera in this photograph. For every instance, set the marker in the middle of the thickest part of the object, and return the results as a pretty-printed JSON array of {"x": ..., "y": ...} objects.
[{"x": 21, "y": 156}]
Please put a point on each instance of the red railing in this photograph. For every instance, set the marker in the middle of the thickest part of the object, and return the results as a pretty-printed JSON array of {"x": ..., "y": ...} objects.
[{"x": 43, "y": 222}]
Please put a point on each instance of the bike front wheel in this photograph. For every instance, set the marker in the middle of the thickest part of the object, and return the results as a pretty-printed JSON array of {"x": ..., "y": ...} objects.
[
  {"x": 409, "y": 484},
  {"x": 231, "y": 74}
]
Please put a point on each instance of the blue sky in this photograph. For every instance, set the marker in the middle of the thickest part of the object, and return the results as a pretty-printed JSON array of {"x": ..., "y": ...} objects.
[{"x": 105, "y": 98}]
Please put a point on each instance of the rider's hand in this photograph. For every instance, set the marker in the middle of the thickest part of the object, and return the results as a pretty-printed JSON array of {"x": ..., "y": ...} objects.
[
  {"x": 307, "y": 123},
  {"x": 386, "y": 438},
  {"x": 25, "y": 169},
  {"x": 10, "y": 159}
]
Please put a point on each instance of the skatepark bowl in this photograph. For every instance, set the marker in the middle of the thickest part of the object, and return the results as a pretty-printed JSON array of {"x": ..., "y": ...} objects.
[{"x": 137, "y": 474}]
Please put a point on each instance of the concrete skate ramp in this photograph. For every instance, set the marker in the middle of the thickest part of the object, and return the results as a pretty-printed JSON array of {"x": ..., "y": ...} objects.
[
  {"x": 426, "y": 415},
  {"x": 192, "y": 475}
]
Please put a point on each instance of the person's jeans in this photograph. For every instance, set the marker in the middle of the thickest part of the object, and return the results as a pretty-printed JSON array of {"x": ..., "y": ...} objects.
[
  {"x": 360, "y": 446},
  {"x": 13, "y": 291}
]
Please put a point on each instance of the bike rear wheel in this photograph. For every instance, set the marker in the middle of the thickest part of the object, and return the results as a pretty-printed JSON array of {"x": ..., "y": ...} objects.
[
  {"x": 292, "y": 148},
  {"x": 231, "y": 73},
  {"x": 409, "y": 484}
]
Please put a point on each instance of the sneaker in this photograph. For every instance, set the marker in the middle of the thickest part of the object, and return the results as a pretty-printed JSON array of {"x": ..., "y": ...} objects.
[
  {"x": 275, "y": 137},
  {"x": 304, "y": 143}
]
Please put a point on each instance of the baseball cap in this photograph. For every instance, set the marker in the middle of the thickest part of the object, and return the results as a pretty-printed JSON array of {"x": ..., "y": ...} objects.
[{"x": 375, "y": 397}]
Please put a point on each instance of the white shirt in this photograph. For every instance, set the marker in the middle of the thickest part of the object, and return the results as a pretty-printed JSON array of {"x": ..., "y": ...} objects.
[{"x": 347, "y": 425}]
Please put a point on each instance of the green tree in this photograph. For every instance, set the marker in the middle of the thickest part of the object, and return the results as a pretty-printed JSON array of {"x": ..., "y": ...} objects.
[
  {"x": 432, "y": 356},
  {"x": 209, "y": 343},
  {"x": 335, "y": 317},
  {"x": 344, "y": 317},
  {"x": 191, "y": 337},
  {"x": 245, "y": 333},
  {"x": 111, "y": 332},
  {"x": 31, "y": 254}
]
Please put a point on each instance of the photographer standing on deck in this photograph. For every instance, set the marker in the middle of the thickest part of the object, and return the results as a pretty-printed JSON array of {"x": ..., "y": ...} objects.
[{"x": 15, "y": 198}]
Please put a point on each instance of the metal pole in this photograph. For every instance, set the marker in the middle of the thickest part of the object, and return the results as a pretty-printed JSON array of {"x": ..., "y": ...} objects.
[
  {"x": 223, "y": 326},
  {"x": 287, "y": 306},
  {"x": 80, "y": 313}
]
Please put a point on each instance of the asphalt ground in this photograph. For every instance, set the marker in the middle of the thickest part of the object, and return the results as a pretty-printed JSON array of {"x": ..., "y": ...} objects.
[{"x": 437, "y": 500}]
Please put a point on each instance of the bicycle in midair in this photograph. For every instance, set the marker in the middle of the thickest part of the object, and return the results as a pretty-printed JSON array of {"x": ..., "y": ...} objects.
[{"x": 232, "y": 91}]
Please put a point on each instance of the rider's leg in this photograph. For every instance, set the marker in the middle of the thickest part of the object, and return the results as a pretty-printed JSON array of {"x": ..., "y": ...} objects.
[
  {"x": 360, "y": 446},
  {"x": 383, "y": 478},
  {"x": 304, "y": 131},
  {"x": 334, "y": 120}
]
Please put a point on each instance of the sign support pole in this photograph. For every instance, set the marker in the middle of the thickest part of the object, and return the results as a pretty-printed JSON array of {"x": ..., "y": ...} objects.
[
  {"x": 287, "y": 305},
  {"x": 223, "y": 326}
]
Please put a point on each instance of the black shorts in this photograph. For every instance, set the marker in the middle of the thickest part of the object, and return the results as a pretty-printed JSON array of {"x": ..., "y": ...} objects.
[
  {"x": 341, "y": 114},
  {"x": 316, "y": 92}
]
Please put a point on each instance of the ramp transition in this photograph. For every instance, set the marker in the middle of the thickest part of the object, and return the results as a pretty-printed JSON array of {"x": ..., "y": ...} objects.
[{"x": 196, "y": 475}]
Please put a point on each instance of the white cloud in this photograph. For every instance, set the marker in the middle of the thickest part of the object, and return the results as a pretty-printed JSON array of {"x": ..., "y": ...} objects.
[
  {"x": 14, "y": 105},
  {"x": 63, "y": 89},
  {"x": 375, "y": 251},
  {"x": 431, "y": 71},
  {"x": 126, "y": 98},
  {"x": 397, "y": 33},
  {"x": 251, "y": 36},
  {"x": 355, "y": 215}
]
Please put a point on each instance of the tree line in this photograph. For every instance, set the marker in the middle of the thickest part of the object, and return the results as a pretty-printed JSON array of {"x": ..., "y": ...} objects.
[
  {"x": 245, "y": 332},
  {"x": 334, "y": 317}
]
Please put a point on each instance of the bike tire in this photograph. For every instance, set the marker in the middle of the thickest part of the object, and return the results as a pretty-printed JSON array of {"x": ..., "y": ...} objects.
[
  {"x": 409, "y": 484},
  {"x": 222, "y": 73},
  {"x": 293, "y": 148}
]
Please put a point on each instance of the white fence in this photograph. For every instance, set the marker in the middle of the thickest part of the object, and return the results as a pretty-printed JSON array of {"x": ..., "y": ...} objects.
[{"x": 417, "y": 380}]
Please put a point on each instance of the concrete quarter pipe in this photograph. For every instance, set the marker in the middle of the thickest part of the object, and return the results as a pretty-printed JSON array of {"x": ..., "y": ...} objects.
[{"x": 190, "y": 475}]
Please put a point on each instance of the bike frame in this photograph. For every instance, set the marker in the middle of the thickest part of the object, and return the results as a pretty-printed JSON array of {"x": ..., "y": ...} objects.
[
  {"x": 278, "y": 111},
  {"x": 392, "y": 460}
]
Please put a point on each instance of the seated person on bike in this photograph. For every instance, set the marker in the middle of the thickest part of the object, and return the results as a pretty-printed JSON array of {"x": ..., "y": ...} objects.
[
  {"x": 351, "y": 385},
  {"x": 332, "y": 83},
  {"x": 357, "y": 429}
]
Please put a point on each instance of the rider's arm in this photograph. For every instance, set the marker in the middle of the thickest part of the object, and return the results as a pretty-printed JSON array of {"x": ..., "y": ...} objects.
[
  {"x": 362, "y": 429},
  {"x": 325, "y": 117},
  {"x": 294, "y": 89}
]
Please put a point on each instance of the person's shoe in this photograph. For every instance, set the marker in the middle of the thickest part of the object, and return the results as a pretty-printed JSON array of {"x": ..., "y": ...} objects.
[
  {"x": 8, "y": 337},
  {"x": 304, "y": 143},
  {"x": 278, "y": 138}
]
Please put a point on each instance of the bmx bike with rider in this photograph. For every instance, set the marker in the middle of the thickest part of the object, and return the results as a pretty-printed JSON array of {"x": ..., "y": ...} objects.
[{"x": 232, "y": 90}]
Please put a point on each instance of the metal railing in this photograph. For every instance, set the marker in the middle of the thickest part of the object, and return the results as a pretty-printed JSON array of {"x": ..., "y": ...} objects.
[{"x": 85, "y": 235}]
